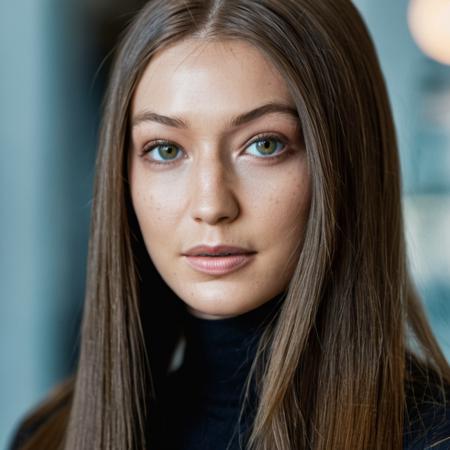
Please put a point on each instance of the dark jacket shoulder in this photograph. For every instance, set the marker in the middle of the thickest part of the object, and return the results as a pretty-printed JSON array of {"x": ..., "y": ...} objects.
[
  {"x": 52, "y": 414},
  {"x": 26, "y": 429},
  {"x": 427, "y": 415}
]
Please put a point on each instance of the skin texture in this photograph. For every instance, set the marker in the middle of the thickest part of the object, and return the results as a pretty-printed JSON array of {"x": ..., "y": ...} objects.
[{"x": 218, "y": 189}]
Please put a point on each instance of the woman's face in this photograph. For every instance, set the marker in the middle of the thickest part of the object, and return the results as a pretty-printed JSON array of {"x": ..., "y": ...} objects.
[{"x": 217, "y": 159}]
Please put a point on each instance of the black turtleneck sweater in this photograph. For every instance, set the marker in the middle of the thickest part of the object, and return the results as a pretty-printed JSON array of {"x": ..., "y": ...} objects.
[{"x": 203, "y": 398}]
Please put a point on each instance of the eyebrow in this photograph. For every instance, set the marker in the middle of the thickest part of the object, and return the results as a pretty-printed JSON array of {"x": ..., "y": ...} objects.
[{"x": 176, "y": 122}]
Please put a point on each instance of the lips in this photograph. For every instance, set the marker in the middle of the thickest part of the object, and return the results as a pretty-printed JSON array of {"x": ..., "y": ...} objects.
[
  {"x": 218, "y": 250},
  {"x": 218, "y": 260}
]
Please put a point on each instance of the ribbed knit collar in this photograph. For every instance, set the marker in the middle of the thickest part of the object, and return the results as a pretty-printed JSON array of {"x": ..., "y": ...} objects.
[{"x": 219, "y": 353}]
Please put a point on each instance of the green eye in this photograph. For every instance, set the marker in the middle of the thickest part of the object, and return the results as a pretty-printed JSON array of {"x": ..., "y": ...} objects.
[
  {"x": 166, "y": 152},
  {"x": 163, "y": 152},
  {"x": 266, "y": 146}
]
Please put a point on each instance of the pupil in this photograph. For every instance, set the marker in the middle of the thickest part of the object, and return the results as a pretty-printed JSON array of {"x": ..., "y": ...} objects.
[
  {"x": 267, "y": 146},
  {"x": 168, "y": 151}
]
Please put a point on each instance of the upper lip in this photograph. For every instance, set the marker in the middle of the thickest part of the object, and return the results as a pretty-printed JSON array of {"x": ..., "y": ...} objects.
[{"x": 216, "y": 250}]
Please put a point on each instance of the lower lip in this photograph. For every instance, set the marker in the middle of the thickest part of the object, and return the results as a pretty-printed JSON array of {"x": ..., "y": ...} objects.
[{"x": 219, "y": 265}]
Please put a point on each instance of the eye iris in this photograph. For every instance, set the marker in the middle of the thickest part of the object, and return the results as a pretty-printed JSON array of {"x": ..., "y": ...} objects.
[
  {"x": 167, "y": 151},
  {"x": 266, "y": 146}
]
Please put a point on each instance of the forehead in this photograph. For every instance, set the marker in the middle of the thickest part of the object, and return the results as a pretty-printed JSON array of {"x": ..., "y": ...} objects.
[{"x": 191, "y": 74}]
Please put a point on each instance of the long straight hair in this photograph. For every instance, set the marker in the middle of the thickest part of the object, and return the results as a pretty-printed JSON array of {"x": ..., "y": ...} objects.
[{"x": 331, "y": 369}]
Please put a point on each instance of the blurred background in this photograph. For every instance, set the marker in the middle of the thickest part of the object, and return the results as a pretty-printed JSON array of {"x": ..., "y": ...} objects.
[{"x": 54, "y": 64}]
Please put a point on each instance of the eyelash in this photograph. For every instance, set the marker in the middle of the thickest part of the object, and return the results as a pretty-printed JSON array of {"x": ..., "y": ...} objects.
[{"x": 160, "y": 142}]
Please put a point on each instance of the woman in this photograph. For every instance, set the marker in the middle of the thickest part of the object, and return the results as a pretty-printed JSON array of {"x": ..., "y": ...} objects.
[{"x": 247, "y": 205}]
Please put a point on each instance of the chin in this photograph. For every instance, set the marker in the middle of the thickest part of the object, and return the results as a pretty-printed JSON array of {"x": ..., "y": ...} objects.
[
  {"x": 215, "y": 309},
  {"x": 208, "y": 306}
]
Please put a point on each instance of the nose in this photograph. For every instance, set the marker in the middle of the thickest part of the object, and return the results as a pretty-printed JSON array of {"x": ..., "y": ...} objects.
[{"x": 213, "y": 199}]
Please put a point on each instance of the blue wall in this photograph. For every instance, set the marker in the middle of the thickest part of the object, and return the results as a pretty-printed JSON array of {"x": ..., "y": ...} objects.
[{"x": 47, "y": 148}]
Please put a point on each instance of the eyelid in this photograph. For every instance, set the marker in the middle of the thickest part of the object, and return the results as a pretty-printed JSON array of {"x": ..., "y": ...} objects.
[
  {"x": 266, "y": 135},
  {"x": 156, "y": 143}
]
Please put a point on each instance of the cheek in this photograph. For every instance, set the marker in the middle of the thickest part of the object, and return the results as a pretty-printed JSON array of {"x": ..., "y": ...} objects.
[
  {"x": 282, "y": 218},
  {"x": 157, "y": 206},
  {"x": 280, "y": 203}
]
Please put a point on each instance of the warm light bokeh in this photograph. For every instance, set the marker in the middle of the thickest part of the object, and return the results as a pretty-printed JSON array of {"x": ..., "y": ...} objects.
[{"x": 429, "y": 22}]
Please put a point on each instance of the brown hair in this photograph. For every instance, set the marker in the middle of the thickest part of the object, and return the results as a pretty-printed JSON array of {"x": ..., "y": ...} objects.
[{"x": 335, "y": 370}]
